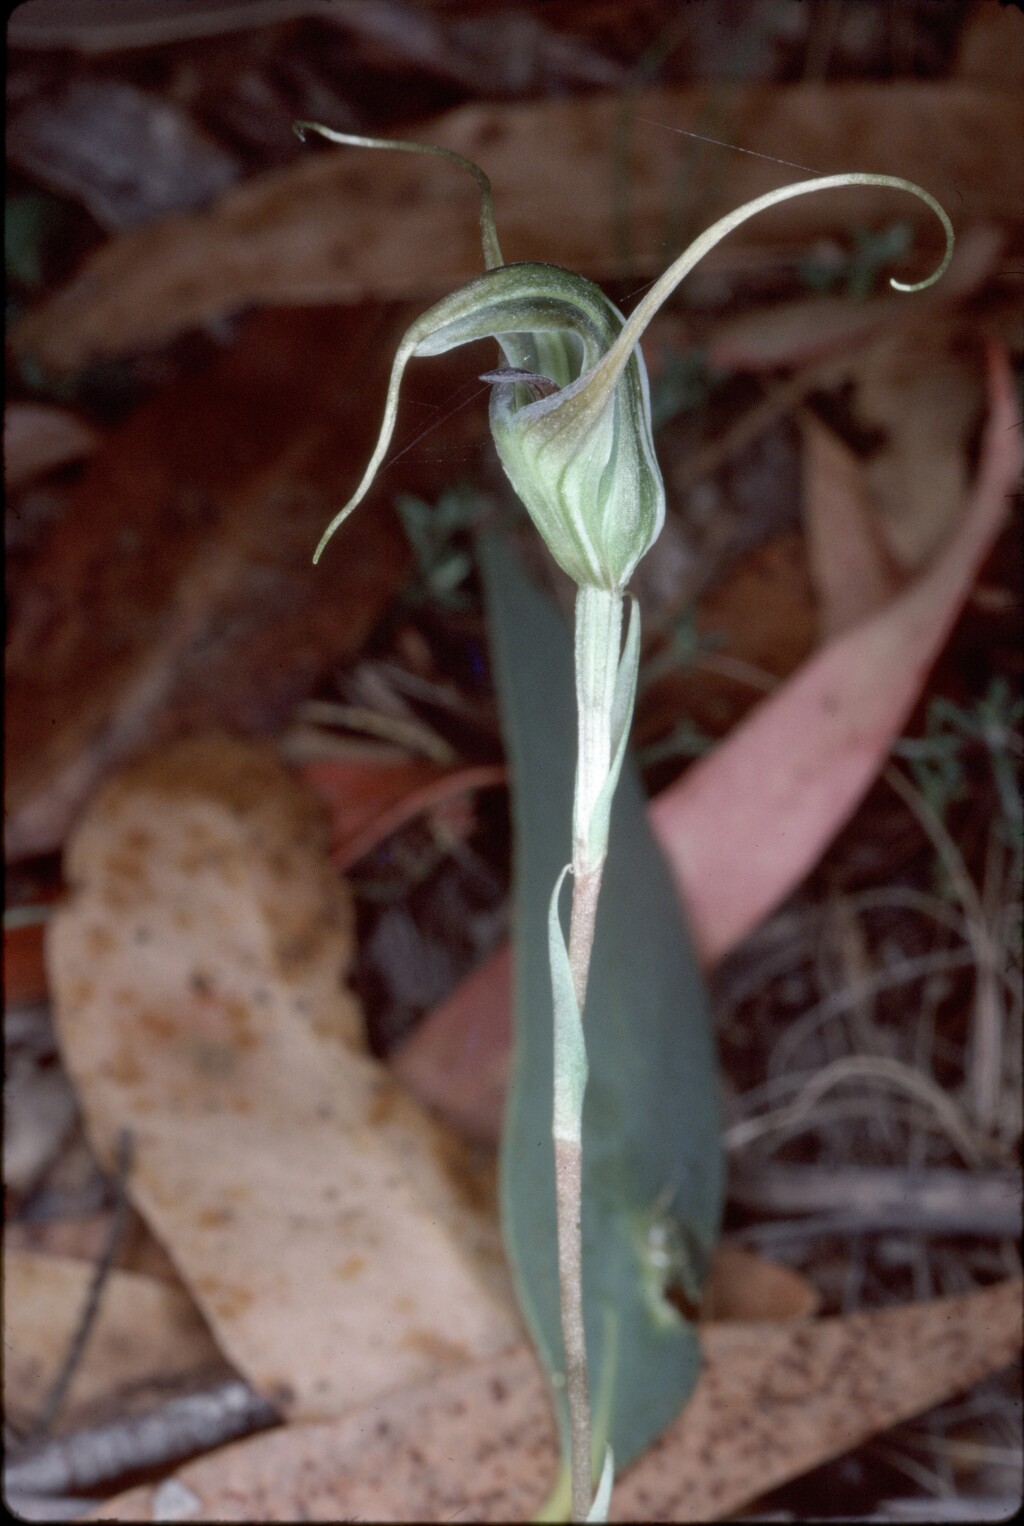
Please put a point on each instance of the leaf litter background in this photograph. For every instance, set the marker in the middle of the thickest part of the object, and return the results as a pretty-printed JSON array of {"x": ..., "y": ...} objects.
[{"x": 259, "y": 987}]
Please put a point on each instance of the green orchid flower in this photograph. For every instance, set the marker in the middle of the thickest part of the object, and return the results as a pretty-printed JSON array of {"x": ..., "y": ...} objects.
[
  {"x": 570, "y": 409},
  {"x": 571, "y": 420}
]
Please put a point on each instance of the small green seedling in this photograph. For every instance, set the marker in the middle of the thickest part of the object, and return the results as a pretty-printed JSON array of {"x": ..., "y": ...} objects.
[{"x": 571, "y": 420}]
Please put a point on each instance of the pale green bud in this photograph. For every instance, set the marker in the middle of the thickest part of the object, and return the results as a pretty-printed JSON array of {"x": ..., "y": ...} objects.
[
  {"x": 579, "y": 455},
  {"x": 581, "y": 458}
]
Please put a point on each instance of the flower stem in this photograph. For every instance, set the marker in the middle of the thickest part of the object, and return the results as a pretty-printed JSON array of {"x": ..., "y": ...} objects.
[
  {"x": 598, "y": 637},
  {"x": 568, "y": 1206}
]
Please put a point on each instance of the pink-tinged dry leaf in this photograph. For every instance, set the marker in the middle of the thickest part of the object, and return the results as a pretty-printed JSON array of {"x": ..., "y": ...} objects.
[
  {"x": 146, "y": 1329},
  {"x": 361, "y": 796},
  {"x": 338, "y": 1241},
  {"x": 39, "y": 437},
  {"x": 853, "y": 572},
  {"x": 773, "y": 1401},
  {"x": 746, "y": 824},
  {"x": 459, "y": 1060}
]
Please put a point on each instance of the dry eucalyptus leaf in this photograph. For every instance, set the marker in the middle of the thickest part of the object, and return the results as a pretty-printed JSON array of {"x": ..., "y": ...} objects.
[
  {"x": 39, "y": 437},
  {"x": 331, "y": 228},
  {"x": 338, "y": 1241},
  {"x": 745, "y": 823},
  {"x": 773, "y": 1401},
  {"x": 925, "y": 398},
  {"x": 745, "y": 1286},
  {"x": 126, "y": 154},
  {"x": 851, "y": 567},
  {"x": 815, "y": 328},
  {"x": 176, "y": 590},
  {"x": 146, "y": 1329}
]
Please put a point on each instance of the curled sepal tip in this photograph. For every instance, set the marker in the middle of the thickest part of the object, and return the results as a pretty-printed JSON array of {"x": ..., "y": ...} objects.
[
  {"x": 488, "y": 230},
  {"x": 624, "y": 346}
]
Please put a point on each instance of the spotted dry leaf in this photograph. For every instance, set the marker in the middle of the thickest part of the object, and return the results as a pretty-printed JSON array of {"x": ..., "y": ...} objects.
[
  {"x": 773, "y": 1401},
  {"x": 338, "y": 1241}
]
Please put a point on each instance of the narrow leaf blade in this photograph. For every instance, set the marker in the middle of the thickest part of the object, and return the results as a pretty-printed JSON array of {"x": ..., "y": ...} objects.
[{"x": 652, "y": 1153}]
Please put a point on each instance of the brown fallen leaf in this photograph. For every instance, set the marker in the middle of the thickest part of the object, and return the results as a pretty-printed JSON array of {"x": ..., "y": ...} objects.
[
  {"x": 744, "y": 825},
  {"x": 329, "y": 228},
  {"x": 813, "y": 328},
  {"x": 852, "y": 569},
  {"x": 745, "y": 1286},
  {"x": 86, "y": 1237},
  {"x": 178, "y": 591},
  {"x": 759, "y": 617},
  {"x": 39, "y": 437},
  {"x": 772, "y": 1402},
  {"x": 924, "y": 397},
  {"x": 24, "y": 974},
  {"x": 146, "y": 1329},
  {"x": 991, "y": 47},
  {"x": 368, "y": 801},
  {"x": 338, "y": 1241}
]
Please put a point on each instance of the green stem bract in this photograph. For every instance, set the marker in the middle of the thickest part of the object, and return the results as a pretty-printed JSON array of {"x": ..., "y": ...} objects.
[
  {"x": 598, "y": 637},
  {"x": 605, "y": 693}
]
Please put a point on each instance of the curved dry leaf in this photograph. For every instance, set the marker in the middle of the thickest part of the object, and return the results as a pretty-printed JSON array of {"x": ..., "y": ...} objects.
[
  {"x": 772, "y": 1402},
  {"x": 38, "y": 437},
  {"x": 146, "y": 1329},
  {"x": 853, "y": 572},
  {"x": 339, "y": 1242},
  {"x": 368, "y": 801},
  {"x": 926, "y": 397},
  {"x": 745, "y": 1286},
  {"x": 209, "y": 612},
  {"x": 746, "y": 823}
]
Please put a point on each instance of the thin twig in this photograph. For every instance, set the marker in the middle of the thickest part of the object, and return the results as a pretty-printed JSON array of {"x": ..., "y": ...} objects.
[
  {"x": 119, "y": 1222},
  {"x": 182, "y": 1427},
  {"x": 934, "y": 1201}
]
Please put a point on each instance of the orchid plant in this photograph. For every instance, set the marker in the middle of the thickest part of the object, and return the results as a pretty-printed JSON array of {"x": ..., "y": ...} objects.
[{"x": 571, "y": 420}]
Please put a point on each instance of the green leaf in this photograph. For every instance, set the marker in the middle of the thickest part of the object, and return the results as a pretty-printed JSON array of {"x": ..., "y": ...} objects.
[{"x": 652, "y": 1137}]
